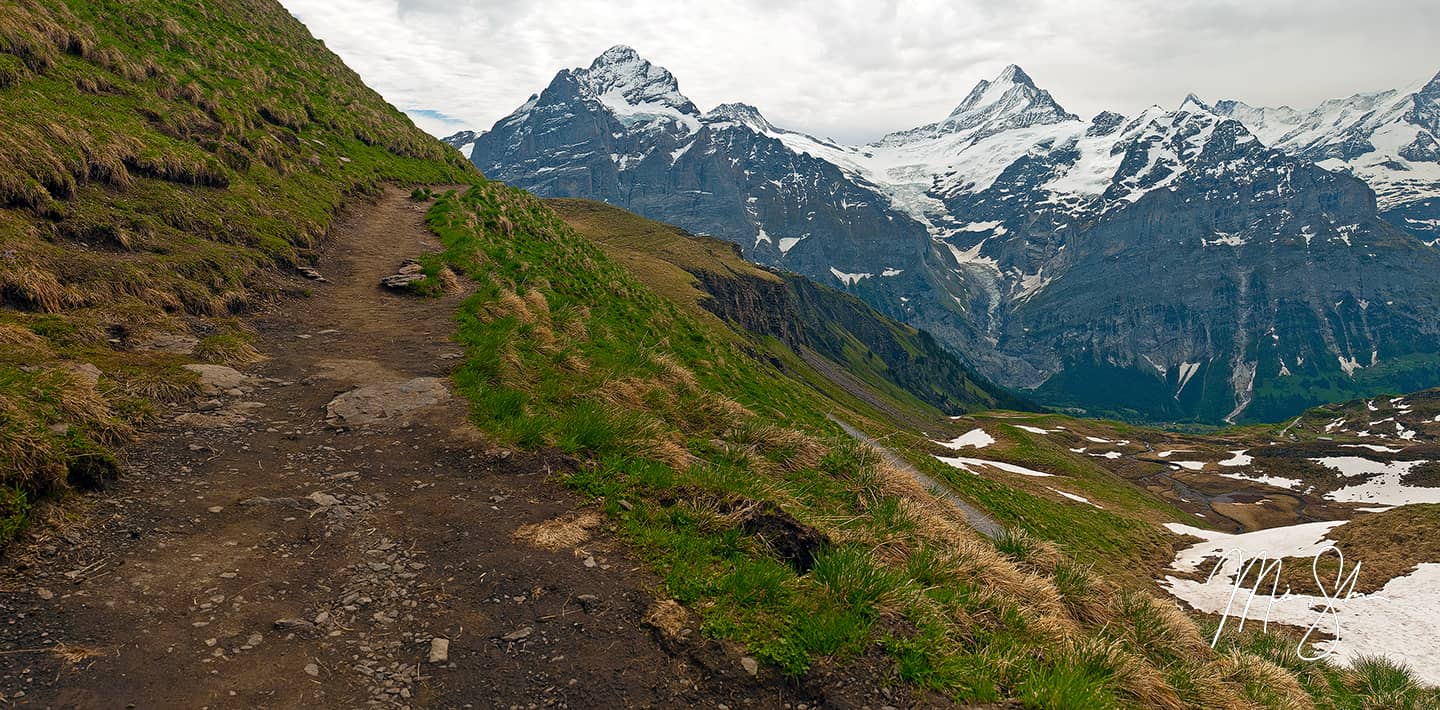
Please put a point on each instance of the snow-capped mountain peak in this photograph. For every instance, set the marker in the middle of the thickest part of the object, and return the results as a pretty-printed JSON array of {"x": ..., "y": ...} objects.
[
  {"x": 741, "y": 114},
  {"x": 1011, "y": 100},
  {"x": 630, "y": 86},
  {"x": 1390, "y": 139},
  {"x": 1015, "y": 75},
  {"x": 1194, "y": 103}
]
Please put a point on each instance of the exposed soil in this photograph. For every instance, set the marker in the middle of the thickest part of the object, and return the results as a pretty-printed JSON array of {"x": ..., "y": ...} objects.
[{"x": 259, "y": 555}]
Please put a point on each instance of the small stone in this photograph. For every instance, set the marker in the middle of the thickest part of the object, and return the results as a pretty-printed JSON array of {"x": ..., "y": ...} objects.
[
  {"x": 312, "y": 670},
  {"x": 45, "y": 594},
  {"x": 439, "y": 650},
  {"x": 750, "y": 665},
  {"x": 300, "y": 626},
  {"x": 324, "y": 500},
  {"x": 518, "y": 634},
  {"x": 215, "y": 508},
  {"x": 590, "y": 561}
]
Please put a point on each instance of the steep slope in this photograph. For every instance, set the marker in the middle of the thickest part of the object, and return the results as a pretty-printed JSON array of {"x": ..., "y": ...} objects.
[
  {"x": 1390, "y": 139},
  {"x": 833, "y": 331},
  {"x": 159, "y": 162},
  {"x": 1005, "y": 228}
]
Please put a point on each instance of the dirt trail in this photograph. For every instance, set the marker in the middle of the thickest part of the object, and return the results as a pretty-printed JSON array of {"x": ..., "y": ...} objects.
[{"x": 258, "y": 556}]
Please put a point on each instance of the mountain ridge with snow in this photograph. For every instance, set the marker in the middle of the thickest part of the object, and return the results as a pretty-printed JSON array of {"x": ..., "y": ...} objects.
[{"x": 1004, "y": 227}]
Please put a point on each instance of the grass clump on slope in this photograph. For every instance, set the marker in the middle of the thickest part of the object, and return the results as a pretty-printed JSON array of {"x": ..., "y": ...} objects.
[
  {"x": 694, "y": 447},
  {"x": 159, "y": 161}
]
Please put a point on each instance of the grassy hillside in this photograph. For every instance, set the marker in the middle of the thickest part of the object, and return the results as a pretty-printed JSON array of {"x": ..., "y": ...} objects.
[
  {"x": 158, "y": 161},
  {"x": 715, "y": 461},
  {"x": 819, "y": 322}
]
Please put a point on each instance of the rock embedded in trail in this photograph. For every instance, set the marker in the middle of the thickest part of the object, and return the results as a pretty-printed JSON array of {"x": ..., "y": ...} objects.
[
  {"x": 518, "y": 634},
  {"x": 216, "y": 379},
  {"x": 410, "y": 272},
  {"x": 231, "y": 416},
  {"x": 385, "y": 403},
  {"x": 439, "y": 650}
]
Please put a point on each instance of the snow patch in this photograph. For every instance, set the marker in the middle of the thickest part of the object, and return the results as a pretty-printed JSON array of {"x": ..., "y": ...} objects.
[
  {"x": 1078, "y": 499},
  {"x": 975, "y": 439},
  {"x": 968, "y": 465},
  {"x": 848, "y": 279}
]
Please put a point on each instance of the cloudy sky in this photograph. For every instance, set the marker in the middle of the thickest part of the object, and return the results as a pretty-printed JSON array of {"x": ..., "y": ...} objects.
[{"x": 855, "y": 69}]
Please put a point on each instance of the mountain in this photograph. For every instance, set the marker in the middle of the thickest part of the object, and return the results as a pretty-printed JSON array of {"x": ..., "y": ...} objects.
[
  {"x": 1390, "y": 139},
  {"x": 621, "y": 132},
  {"x": 1162, "y": 266}
]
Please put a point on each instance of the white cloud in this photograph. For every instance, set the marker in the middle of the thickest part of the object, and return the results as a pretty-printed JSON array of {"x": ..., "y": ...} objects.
[{"x": 855, "y": 69}]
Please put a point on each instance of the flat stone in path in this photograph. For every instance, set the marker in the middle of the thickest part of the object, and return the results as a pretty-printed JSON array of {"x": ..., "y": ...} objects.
[
  {"x": 386, "y": 402},
  {"x": 215, "y": 379}
]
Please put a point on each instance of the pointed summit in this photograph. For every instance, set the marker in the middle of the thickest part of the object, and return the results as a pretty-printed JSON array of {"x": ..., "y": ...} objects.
[
  {"x": 1193, "y": 103},
  {"x": 619, "y": 54},
  {"x": 635, "y": 90},
  {"x": 1010, "y": 101},
  {"x": 1015, "y": 75}
]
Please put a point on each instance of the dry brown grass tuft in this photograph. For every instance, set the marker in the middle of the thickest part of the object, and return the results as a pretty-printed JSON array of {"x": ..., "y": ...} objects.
[
  {"x": 791, "y": 449},
  {"x": 668, "y": 617},
  {"x": 75, "y": 653},
  {"x": 448, "y": 280},
  {"x": 1277, "y": 687},
  {"x": 29, "y": 287},
  {"x": 565, "y": 532},
  {"x": 19, "y": 336}
]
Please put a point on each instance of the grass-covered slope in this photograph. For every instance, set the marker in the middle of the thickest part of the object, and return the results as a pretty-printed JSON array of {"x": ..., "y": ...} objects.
[
  {"x": 806, "y": 317},
  {"x": 715, "y": 460},
  {"x": 157, "y": 160}
]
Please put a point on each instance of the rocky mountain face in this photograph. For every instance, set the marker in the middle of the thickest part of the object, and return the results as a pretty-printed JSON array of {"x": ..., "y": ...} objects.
[
  {"x": 1167, "y": 265},
  {"x": 1389, "y": 139},
  {"x": 621, "y": 132}
]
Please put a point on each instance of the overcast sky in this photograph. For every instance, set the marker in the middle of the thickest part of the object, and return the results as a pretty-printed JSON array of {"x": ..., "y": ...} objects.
[{"x": 855, "y": 69}]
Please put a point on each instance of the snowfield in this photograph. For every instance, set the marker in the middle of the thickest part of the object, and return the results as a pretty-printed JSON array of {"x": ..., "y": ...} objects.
[{"x": 1397, "y": 622}]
